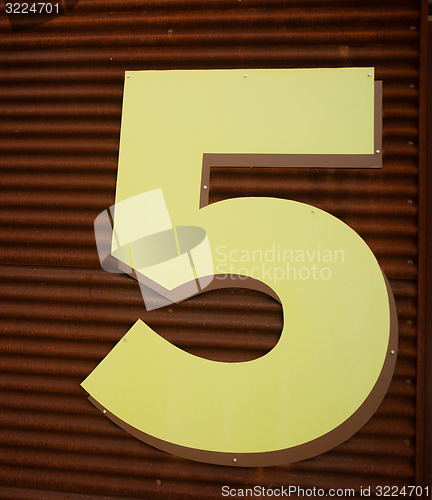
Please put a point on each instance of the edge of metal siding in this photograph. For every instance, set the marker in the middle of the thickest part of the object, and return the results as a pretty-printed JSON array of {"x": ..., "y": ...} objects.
[{"x": 424, "y": 388}]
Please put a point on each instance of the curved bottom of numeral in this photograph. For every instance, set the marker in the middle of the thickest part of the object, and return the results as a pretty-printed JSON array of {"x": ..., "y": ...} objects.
[{"x": 289, "y": 455}]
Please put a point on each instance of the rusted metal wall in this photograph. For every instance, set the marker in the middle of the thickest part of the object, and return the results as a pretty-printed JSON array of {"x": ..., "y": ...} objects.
[
  {"x": 426, "y": 180},
  {"x": 60, "y": 101}
]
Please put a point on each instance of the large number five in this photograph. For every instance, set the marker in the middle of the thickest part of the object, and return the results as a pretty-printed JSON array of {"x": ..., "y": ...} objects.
[{"x": 334, "y": 360}]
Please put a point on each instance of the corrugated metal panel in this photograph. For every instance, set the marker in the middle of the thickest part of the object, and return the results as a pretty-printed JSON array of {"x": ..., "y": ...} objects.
[
  {"x": 60, "y": 96},
  {"x": 427, "y": 197}
]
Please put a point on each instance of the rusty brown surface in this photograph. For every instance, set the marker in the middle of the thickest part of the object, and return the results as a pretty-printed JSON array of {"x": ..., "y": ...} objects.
[
  {"x": 426, "y": 283},
  {"x": 423, "y": 427},
  {"x": 60, "y": 98}
]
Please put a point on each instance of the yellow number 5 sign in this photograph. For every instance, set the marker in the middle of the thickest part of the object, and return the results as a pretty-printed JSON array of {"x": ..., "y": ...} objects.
[{"x": 335, "y": 358}]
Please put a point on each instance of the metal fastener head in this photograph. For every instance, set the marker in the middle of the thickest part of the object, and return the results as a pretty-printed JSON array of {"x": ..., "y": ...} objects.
[
  {"x": 392, "y": 351},
  {"x": 114, "y": 242},
  {"x": 204, "y": 187},
  {"x": 369, "y": 74},
  {"x": 170, "y": 32},
  {"x": 378, "y": 151},
  {"x": 412, "y": 86},
  {"x": 410, "y": 202},
  {"x": 104, "y": 411},
  {"x": 413, "y": 28},
  {"x": 234, "y": 460},
  {"x": 245, "y": 75},
  {"x": 410, "y": 262},
  {"x": 125, "y": 339},
  {"x": 411, "y": 143},
  {"x": 409, "y": 321},
  {"x": 128, "y": 76},
  {"x": 313, "y": 210}
]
